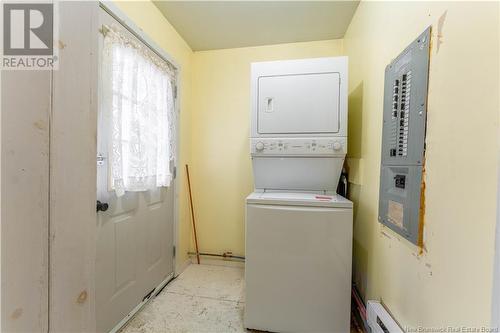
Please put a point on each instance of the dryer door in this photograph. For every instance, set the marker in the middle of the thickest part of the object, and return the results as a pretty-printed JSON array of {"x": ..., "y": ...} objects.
[{"x": 301, "y": 103}]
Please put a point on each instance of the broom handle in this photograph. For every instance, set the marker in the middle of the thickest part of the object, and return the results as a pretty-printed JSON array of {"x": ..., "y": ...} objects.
[{"x": 192, "y": 216}]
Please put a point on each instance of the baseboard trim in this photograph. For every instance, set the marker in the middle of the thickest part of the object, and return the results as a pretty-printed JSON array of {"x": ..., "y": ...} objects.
[{"x": 218, "y": 262}]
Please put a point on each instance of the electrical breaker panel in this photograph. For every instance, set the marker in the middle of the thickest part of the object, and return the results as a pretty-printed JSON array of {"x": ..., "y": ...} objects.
[{"x": 403, "y": 138}]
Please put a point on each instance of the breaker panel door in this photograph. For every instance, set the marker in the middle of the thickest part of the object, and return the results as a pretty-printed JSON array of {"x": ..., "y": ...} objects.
[{"x": 403, "y": 140}]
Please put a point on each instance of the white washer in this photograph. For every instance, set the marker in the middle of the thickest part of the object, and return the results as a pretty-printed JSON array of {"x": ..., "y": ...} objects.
[
  {"x": 298, "y": 262},
  {"x": 298, "y": 232}
]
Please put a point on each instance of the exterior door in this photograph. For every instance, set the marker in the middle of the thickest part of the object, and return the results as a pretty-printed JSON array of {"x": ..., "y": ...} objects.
[{"x": 134, "y": 235}]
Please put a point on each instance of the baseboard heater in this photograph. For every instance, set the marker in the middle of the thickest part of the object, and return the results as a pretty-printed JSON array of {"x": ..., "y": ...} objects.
[{"x": 380, "y": 320}]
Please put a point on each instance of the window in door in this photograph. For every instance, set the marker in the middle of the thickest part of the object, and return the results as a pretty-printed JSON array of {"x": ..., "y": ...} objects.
[{"x": 138, "y": 91}]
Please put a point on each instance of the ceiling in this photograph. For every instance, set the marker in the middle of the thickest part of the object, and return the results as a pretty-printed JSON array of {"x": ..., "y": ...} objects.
[{"x": 209, "y": 25}]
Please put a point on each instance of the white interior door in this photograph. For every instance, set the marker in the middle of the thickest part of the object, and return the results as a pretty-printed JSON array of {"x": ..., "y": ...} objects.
[{"x": 134, "y": 235}]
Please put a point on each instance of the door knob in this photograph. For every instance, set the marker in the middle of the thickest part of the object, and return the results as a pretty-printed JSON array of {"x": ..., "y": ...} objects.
[{"x": 101, "y": 206}]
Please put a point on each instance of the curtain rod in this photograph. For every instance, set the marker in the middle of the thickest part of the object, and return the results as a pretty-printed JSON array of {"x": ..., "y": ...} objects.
[{"x": 136, "y": 35}]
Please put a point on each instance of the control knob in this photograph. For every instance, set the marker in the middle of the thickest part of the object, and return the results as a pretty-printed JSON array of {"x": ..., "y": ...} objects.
[
  {"x": 259, "y": 146},
  {"x": 337, "y": 145}
]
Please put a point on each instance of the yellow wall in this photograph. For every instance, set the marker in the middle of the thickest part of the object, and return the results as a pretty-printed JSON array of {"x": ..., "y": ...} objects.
[
  {"x": 222, "y": 174},
  {"x": 153, "y": 23},
  {"x": 450, "y": 283}
]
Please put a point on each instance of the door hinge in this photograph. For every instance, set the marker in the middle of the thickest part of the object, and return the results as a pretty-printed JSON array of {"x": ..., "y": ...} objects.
[
  {"x": 174, "y": 251},
  {"x": 174, "y": 172},
  {"x": 175, "y": 92},
  {"x": 100, "y": 159}
]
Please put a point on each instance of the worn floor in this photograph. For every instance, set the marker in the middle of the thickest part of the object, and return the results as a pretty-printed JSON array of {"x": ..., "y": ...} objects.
[{"x": 203, "y": 299}]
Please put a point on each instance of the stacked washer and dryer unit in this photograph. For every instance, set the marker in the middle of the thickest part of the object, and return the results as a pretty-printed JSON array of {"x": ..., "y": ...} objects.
[{"x": 298, "y": 230}]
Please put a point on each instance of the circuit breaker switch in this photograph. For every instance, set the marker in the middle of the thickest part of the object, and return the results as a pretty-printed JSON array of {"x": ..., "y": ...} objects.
[{"x": 400, "y": 181}]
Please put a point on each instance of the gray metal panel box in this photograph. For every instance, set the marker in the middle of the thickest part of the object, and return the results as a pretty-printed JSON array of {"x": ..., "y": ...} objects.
[{"x": 403, "y": 138}]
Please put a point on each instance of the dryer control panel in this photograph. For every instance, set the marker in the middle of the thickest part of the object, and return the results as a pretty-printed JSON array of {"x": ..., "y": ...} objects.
[{"x": 298, "y": 146}]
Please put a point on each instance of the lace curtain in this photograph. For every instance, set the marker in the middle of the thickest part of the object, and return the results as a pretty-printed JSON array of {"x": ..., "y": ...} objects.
[{"x": 137, "y": 88}]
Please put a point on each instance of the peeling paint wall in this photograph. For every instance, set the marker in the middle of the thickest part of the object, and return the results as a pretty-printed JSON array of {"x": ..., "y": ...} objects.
[{"x": 450, "y": 283}]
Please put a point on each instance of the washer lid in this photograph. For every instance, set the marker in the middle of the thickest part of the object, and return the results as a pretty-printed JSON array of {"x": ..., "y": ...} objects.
[{"x": 298, "y": 199}]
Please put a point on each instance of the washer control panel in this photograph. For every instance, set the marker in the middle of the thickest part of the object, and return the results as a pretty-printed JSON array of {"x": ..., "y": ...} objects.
[{"x": 299, "y": 146}]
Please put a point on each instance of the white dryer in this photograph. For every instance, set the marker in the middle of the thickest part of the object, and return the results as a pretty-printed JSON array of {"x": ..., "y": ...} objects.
[{"x": 298, "y": 231}]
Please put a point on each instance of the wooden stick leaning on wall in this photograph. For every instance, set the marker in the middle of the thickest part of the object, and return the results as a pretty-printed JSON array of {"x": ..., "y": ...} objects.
[{"x": 192, "y": 216}]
